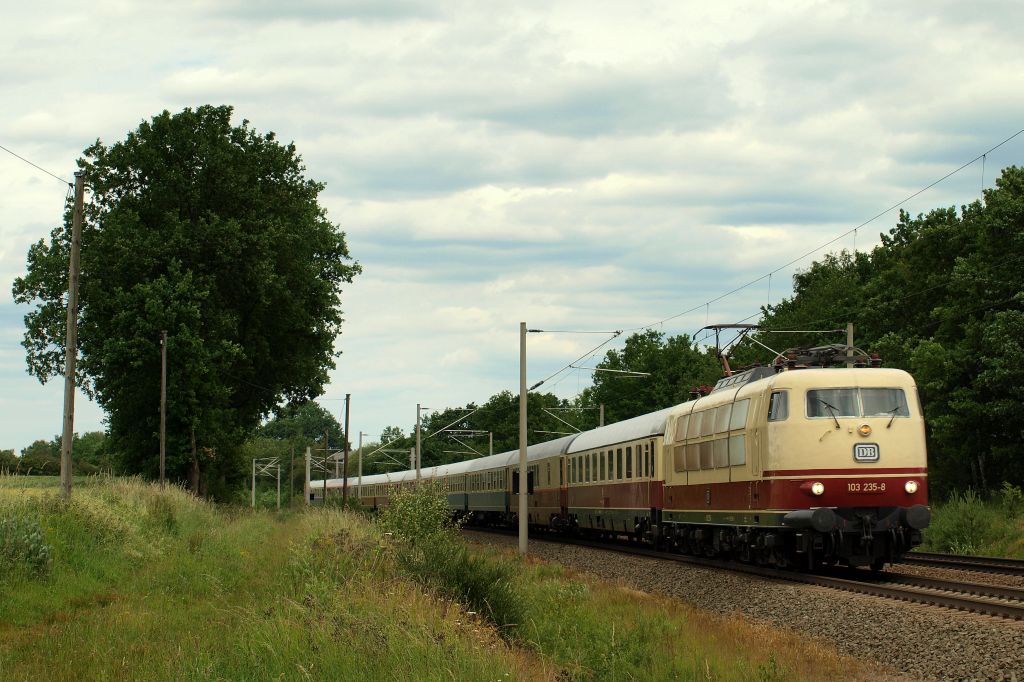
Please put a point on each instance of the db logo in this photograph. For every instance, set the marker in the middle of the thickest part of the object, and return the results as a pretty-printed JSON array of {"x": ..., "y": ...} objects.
[{"x": 866, "y": 452}]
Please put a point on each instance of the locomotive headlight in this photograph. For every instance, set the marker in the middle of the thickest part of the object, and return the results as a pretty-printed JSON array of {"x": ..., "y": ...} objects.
[
  {"x": 864, "y": 430},
  {"x": 910, "y": 487},
  {"x": 818, "y": 488}
]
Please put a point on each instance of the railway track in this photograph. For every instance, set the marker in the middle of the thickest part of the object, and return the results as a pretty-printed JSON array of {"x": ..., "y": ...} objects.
[
  {"x": 966, "y": 563},
  {"x": 988, "y": 600}
]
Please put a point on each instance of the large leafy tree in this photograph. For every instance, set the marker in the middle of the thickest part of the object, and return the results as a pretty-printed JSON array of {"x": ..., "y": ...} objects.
[{"x": 212, "y": 232}]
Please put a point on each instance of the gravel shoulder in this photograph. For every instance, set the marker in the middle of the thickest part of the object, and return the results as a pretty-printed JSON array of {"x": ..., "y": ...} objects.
[{"x": 919, "y": 642}]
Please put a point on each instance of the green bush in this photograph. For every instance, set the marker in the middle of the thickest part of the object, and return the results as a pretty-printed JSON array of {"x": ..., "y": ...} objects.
[
  {"x": 962, "y": 525},
  {"x": 431, "y": 551},
  {"x": 22, "y": 547}
]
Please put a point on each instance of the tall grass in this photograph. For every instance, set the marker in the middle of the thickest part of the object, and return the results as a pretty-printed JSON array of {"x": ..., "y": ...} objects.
[{"x": 147, "y": 583}]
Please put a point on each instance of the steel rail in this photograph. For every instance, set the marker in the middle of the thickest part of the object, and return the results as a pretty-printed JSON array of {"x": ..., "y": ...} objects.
[
  {"x": 967, "y": 563},
  {"x": 971, "y": 598}
]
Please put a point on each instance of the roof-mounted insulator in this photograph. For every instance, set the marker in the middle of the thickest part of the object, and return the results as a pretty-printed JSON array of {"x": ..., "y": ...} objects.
[{"x": 876, "y": 360}]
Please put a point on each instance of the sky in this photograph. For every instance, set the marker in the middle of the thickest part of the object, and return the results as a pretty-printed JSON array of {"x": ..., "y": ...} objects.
[{"x": 580, "y": 166}]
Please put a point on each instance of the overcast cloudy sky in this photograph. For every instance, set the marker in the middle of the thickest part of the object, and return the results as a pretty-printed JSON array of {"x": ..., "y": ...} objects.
[{"x": 588, "y": 166}]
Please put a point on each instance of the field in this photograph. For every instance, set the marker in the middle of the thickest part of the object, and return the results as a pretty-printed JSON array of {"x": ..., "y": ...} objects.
[{"x": 128, "y": 581}]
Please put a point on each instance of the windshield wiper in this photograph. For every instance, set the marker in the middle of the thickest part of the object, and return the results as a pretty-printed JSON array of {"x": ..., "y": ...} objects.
[
  {"x": 893, "y": 412},
  {"x": 831, "y": 411}
]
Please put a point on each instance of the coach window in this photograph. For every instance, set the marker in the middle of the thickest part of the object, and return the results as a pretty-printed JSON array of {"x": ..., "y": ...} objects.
[
  {"x": 721, "y": 452},
  {"x": 738, "y": 420},
  {"x": 737, "y": 450},
  {"x": 778, "y": 406},
  {"x": 629, "y": 462},
  {"x": 693, "y": 431},
  {"x": 618, "y": 463},
  {"x": 707, "y": 455},
  {"x": 593, "y": 465},
  {"x": 647, "y": 459},
  {"x": 707, "y": 422},
  {"x": 600, "y": 456},
  {"x": 681, "y": 428},
  {"x": 722, "y": 418},
  {"x": 679, "y": 458}
]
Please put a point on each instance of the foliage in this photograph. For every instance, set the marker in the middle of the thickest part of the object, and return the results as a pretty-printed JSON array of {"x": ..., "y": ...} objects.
[
  {"x": 8, "y": 461},
  {"x": 675, "y": 366},
  {"x": 22, "y": 548},
  {"x": 942, "y": 297},
  {"x": 41, "y": 457},
  {"x": 421, "y": 521},
  {"x": 211, "y": 232},
  {"x": 966, "y": 523}
]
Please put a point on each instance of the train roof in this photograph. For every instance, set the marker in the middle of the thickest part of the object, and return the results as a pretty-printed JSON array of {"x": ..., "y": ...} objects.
[
  {"x": 645, "y": 425},
  {"x": 550, "y": 448},
  {"x": 842, "y": 377}
]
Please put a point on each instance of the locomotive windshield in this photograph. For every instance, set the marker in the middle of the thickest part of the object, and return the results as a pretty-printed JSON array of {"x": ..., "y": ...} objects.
[{"x": 857, "y": 402}]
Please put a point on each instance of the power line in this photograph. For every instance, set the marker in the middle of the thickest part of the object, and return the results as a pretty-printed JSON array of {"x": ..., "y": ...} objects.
[
  {"x": 35, "y": 165},
  {"x": 853, "y": 230}
]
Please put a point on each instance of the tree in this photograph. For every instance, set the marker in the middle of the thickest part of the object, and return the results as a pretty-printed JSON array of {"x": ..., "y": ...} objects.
[
  {"x": 8, "y": 461},
  {"x": 211, "y": 232},
  {"x": 42, "y": 458},
  {"x": 675, "y": 366}
]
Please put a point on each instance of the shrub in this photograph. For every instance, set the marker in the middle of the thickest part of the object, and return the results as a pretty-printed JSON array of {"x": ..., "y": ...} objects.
[
  {"x": 22, "y": 547},
  {"x": 962, "y": 525},
  {"x": 431, "y": 552}
]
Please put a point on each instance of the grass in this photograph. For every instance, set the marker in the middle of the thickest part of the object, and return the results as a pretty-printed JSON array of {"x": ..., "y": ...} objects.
[{"x": 151, "y": 584}]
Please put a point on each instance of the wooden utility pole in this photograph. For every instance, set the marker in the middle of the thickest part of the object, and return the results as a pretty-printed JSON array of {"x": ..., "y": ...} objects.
[
  {"x": 71, "y": 339},
  {"x": 163, "y": 406},
  {"x": 344, "y": 480}
]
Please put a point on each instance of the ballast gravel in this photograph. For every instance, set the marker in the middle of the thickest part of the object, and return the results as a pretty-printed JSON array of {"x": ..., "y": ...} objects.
[{"x": 920, "y": 642}]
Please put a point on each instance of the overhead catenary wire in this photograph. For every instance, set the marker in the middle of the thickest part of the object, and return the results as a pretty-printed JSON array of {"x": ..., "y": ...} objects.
[
  {"x": 853, "y": 230},
  {"x": 36, "y": 166}
]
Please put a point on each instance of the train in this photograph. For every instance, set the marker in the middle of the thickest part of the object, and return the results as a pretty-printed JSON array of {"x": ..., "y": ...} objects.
[{"x": 793, "y": 464}]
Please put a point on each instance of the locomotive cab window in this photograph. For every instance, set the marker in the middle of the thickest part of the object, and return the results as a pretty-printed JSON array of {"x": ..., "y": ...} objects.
[
  {"x": 778, "y": 406},
  {"x": 884, "y": 402},
  {"x": 857, "y": 402}
]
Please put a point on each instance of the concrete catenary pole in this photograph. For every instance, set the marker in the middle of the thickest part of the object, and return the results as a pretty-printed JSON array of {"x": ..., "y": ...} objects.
[
  {"x": 71, "y": 338},
  {"x": 418, "y": 461},
  {"x": 849, "y": 344},
  {"x": 253, "y": 503},
  {"x": 359, "y": 484},
  {"x": 522, "y": 440},
  {"x": 600, "y": 418},
  {"x": 278, "y": 487},
  {"x": 163, "y": 408},
  {"x": 344, "y": 480},
  {"x": 305, "y": 482}
]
